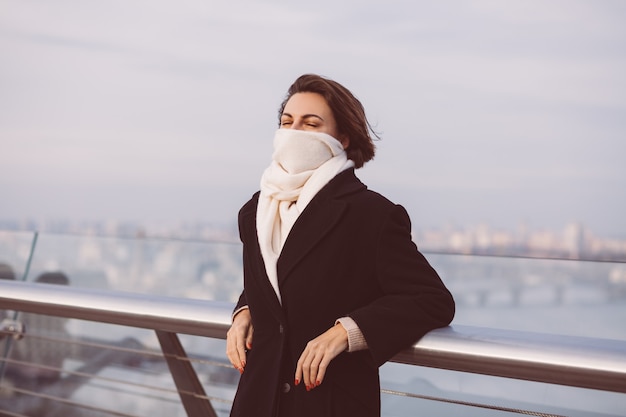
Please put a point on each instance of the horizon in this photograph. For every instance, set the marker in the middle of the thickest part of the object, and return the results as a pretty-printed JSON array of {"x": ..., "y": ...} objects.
[{"x": 187, "y": 228}]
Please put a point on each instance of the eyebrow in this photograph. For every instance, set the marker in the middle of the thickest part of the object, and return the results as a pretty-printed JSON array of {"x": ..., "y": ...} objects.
[{"x": 306, "y": 116}]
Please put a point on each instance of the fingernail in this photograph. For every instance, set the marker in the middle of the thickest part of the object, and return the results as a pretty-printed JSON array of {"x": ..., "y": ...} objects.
[
  {"x": 308, "y": 388},
  {"x": 296, "y": 382},
  {"x": 318, "y": 383},
  {"x": 243, "y": 364}
]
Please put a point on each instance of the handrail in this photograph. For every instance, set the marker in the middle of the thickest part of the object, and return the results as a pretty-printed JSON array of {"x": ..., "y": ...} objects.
[{"x": 564, "y": 360}]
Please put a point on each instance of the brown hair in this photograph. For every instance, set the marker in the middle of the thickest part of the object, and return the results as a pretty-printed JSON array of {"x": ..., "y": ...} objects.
[{"x": 347, "y": 110}]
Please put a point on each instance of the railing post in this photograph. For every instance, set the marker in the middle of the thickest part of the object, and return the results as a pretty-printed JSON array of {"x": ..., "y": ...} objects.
[{"x": 187, "y": 383}]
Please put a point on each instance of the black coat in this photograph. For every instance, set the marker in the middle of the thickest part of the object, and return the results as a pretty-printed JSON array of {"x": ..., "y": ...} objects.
[{"x": 349, "y": 253}]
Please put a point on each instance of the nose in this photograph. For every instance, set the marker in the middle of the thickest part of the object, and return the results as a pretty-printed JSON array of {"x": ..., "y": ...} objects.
[{"x": 297, "y": 125}]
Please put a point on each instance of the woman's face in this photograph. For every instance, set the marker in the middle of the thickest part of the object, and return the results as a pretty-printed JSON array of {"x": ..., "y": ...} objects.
[{"x": 309, "y": 111}]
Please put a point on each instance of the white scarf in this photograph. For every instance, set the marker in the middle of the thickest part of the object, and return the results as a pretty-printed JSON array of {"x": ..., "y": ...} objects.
[{"x": 303, "y": 162}]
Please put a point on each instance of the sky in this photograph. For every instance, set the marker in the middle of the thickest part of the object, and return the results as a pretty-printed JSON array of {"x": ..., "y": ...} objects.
[{"x": 490, "y": 112}]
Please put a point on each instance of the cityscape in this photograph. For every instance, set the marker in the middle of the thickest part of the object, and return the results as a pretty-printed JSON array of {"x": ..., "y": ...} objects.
[{"x": 573, "y": 241}]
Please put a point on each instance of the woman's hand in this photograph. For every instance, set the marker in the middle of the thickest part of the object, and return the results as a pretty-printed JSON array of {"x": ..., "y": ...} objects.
[
  {"x": 239, "y": 338},
  {"x": 317, "y": 355}
]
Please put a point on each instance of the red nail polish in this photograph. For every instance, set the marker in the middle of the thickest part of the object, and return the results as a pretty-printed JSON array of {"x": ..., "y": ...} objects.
[
  {"x": 318, "y": 383},
  {"x": 296, "y": 382}
]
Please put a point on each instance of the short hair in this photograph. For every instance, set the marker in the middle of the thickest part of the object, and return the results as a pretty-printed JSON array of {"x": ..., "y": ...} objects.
[{"x": 347, "y": 110}]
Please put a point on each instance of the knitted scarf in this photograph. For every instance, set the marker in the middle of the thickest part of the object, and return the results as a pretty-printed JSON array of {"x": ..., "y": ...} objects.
[{"x": 302, "y": 163}]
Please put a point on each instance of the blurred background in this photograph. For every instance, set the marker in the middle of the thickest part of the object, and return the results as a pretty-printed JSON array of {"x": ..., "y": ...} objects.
[{"x": 504, "y": 115}]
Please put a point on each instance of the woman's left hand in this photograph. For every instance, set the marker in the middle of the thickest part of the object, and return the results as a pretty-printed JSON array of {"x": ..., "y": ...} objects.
[{"x": 317, "y": 355}]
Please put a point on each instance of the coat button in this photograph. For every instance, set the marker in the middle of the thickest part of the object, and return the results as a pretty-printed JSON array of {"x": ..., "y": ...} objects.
[
  {"x": 286, "y": 388},
  {"x": 280, "y": 329}
]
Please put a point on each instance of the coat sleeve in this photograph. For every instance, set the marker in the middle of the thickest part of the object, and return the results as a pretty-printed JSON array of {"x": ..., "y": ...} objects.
[
  {"x": 413, "y": 299},
  {"x": 248, "y": 207},
  {"x": 242, "y": 304}
]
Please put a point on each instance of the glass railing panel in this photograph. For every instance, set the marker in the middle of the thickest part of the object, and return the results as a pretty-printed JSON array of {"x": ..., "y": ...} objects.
[
  {"x": 577, "y": 298},
  {"x": 188, "y": 269},
  {"x": 15, "y": 252}
]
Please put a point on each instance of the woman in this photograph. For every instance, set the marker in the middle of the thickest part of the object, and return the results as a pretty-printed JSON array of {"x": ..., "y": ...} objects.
[{"x": 333, "y": 284}]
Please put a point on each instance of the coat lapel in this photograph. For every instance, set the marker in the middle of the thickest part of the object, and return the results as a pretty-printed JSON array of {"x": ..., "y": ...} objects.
[
  {"x": 309, "y": 229},
  {"x": 248, "y": 219},
  {"x": 316, "y": 221}
]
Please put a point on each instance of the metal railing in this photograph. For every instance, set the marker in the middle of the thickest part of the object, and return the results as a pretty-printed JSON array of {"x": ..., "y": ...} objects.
[{"x": 570, "y": 361}]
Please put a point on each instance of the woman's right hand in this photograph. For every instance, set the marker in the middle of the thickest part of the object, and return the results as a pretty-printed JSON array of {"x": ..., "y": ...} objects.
[{"x": 239, "y": 339}]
